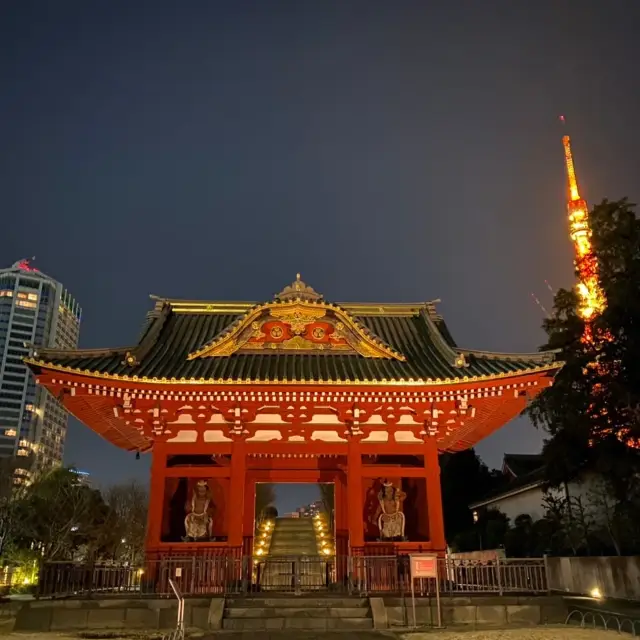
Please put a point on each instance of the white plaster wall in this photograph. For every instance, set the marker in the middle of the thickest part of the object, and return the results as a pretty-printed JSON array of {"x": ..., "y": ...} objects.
[{"x": 529, "y": 502}]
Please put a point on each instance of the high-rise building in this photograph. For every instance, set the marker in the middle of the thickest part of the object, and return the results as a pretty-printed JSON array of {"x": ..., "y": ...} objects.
[{"x": 34, "y": 310}]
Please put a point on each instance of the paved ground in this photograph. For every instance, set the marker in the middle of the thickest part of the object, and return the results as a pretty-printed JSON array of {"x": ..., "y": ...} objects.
[{"x": 536, "y": 633}]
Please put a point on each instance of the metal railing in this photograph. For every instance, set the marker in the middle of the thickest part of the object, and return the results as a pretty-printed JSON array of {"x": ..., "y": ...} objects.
[
  {"x": 247, "y": 575},
  {"x": 178, "y": 632}
]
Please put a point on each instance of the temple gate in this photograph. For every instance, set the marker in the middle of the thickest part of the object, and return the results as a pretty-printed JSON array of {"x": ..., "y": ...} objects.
[{"x": 225, "y": 395}]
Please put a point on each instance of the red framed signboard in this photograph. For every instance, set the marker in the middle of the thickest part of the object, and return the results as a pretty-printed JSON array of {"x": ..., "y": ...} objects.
[{"x": 424, "y": 566}]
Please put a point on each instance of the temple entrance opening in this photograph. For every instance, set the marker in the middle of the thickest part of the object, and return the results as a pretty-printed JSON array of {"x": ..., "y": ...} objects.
[
  {"x": 294, "y": 538},
  {"x": 294, "y": 519}
]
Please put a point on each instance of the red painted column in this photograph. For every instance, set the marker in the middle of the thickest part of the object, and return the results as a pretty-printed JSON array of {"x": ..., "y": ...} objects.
[
  {"x": 434, "y": 495},
  {"x": 354, "y": 495},
  {"x": 248, "y": 521},
  {"x": 236, "y": 494},
  {"x": 156, "y": 495}
]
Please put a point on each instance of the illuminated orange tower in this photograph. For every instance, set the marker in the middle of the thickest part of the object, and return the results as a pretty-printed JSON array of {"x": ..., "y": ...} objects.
[{"x": 592, "y": 300}]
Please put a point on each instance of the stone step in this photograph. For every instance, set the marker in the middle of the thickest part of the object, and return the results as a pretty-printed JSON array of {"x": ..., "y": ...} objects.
[
  {"x": 282, "y": 556},
  {"x": 302, "y": 544},
  {"x": 294, "y": 534},
  {"x": 306, "y": 602},
  {"x": 315, "y": 624},
  {"x": 296, "y": 612}
]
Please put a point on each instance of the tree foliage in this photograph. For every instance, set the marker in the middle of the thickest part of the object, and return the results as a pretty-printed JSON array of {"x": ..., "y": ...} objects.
[
  {"x": 592, "y": 411},
  {"x": 265, "y": 498},
  {"x": 60, "y": 514},
  {"x": 56, "y": 517},
  {"x": 10, "y": 501},
  {"x": 464, "y": 478},
  {"x": 127, "y": 505}
]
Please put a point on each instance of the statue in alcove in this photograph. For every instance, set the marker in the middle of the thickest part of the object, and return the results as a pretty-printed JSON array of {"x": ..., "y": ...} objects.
[
  {"x": 391, "y": 521},
  {"x": 199, "y": 521}
]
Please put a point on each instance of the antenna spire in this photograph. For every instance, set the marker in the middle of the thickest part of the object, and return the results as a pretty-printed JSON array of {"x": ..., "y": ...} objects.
[{"x": 591, "y": 297}]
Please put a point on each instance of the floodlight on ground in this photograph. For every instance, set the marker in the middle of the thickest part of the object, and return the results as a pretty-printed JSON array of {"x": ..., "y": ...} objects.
[{"x": 595, "y": 593}]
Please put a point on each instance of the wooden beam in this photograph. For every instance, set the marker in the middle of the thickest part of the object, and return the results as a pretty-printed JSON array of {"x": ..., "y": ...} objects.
[
  {"x": 198, "y": 472},
  {"x": 374, "y": 471}
]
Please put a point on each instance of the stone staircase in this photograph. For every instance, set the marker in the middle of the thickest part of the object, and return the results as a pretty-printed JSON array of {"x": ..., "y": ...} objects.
[
  {"x": 293, "y": 562},
  {"x": 293, "y": 537},
  {"x": 302, "y": 613}
]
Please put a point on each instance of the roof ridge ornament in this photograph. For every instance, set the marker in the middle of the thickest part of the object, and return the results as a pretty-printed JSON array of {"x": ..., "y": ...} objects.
[{"x": 298, "y": 290}]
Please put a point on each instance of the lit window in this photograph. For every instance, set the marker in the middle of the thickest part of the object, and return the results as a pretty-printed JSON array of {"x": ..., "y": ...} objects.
[
  {"x": 32, "y": 296},
  {"x": 10, "y": 432},
  {"x": 29, "y": 407},
  {"x": 27, "y": 305},
  {"x": 6, "y": 294},
  {"x": 21, "y": 295},
  {"x": 23, "y": 452}
]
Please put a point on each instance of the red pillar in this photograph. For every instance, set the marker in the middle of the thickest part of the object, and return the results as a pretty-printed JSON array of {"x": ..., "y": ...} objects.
[
  {"x": 156, "y": 495},
  {"x": 236, "y": 494},
  {"x": 354, "y": 495},
  {"x": 434, "y": 495}
]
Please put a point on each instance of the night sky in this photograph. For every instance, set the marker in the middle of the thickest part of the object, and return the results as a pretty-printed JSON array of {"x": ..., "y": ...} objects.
[{"x": 389, "y": 151}]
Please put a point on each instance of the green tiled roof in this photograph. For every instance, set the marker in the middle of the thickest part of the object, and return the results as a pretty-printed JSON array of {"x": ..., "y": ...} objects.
[{"x": 177, "y": 329}]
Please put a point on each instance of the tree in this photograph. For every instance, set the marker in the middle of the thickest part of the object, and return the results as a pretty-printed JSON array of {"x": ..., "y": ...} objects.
[
  {"x": 59, "y": 515},
  {"x": 592, "y": 412},
  {"x": 518, "y": 540},
  {"x": 265, "y": 497},
  {"x": 327, "y": 495},
  {"x": 488, "y": 532},
  {"x": 464, "y": 478},
  {"x": 125, "y": 534},
  {"x": 11, "y": 496}
]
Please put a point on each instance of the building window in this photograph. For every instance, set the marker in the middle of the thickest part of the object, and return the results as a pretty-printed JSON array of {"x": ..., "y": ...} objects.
[{"x": 26, "y": 304}]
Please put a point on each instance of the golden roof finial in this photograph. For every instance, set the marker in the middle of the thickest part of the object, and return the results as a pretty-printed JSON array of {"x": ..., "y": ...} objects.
[{"x": 298, "y": 290}]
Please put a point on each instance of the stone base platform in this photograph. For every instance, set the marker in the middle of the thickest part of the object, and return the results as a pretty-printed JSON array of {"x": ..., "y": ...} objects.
[
  {"x": 257, "y": 614},
  {"x": 479, "y": 611},
  {"x": 115, "y": 614}
]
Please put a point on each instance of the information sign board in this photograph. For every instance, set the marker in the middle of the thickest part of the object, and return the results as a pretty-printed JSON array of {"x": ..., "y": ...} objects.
[{"x": 424, "y": 566}]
